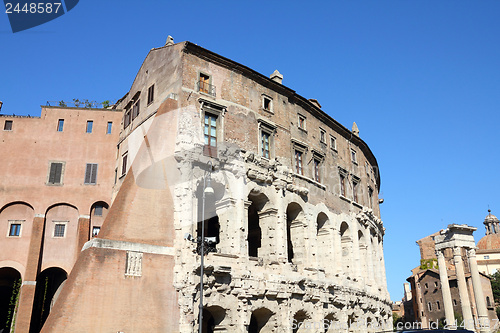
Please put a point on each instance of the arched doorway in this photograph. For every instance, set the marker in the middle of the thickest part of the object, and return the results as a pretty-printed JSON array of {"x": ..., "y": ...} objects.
[
  {"x": 294, "y": 232},
  {"x": 10, "y": 283},
  {"x": 47, "y": 284},
  {"x": 259, "y": 321},
  {"x": 254, "y": 237},
  {"x": 212, "y": 317}
]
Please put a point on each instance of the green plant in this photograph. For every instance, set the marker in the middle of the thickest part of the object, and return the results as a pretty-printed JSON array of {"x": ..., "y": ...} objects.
[
  {"x": 106, "y": 104},
  {"x": 14, "y": 298},
  {"x": 62, "y": 103}
]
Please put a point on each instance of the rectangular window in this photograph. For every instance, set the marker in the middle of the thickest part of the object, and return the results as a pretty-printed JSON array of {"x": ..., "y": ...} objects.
[
  {"x": 355, "y": 188},
  {"x": 90, "y": 124},
  {"x": 110, "y": 126},
  {"x": 95, "y": 231},
  {"x": 124, "y": 164},
  {"x": 367, "y": 168},
  {"x": 266, "y": 138},
  {"x": 136, "y": 109},
  {"x": 210, "y": 131},
  {"x": 342, "y": 177},
  {"x": 8, "y": 125},
  {"x": 353, "y": 156},
  {"x": 98, "y": 210},
  {"x": 317, "y": 164},
  {"x": 91, "y": 174},
  {"x": 151, "y": 94},
  {"x": 486, "y": 257},
  {"x": 302, "y": 122},
  {"x": 60, "y": 125},
  {"x": 204, "y": 83},
  {"x": 298, "y": 162},
  {"x": 267, "y": 103},
  {"x": 59, "y": 229},
  {"x": 15, "y": 229},
  {"x": 370, "y": 196},
  {"x": 322, "y": 136},
  {"x": 333, "y": 143},
  {"x": 126, "y": 119},
  {"x": 55, "y": 173}
]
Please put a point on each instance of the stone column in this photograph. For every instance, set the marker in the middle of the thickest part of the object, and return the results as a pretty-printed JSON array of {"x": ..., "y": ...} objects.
[
  {"x": 445, "y": 287},
  {"x": 382, "y": 268},
  {"x": 369, "y": 261},
  {"x": 478, "y": 292},
  {"x": 227, "y": 212},
  {"x": 337, "y": 250},
  {"x": 462, "y": 288},
  {"x": 267, "y": 223},
  {"x": 27, "y": 296}
]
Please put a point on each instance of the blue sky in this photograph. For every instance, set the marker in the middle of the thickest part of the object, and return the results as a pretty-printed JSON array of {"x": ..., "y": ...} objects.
[{"x": 420, "y": 78}]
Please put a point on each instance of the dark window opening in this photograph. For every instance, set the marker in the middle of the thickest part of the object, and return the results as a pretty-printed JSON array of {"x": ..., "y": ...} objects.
[
  {"x": 136, "y": 109},
  {"x": 254, "y": 238},
  {"x": 126, "y": 119},
  {"x": 355, "y": 188},
  {"x": 267, "y": 104},
  {"x": 124, "y": 164},
  {"x": 317, "y": 175},
  {"x": 95, "y": 231},
  {"x": 302, "y": 122},
  {"x": 342, "y": 185},
  {"x": 212, "y": 229},
  {"x": 151, "y": 94},
  {"x": 8, "y": 125},
  {"x": 10, "y": 286}
]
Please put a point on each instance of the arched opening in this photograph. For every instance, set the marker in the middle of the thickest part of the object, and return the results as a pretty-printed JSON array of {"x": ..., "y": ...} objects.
[
  {"x": 10, "y": 284},
  {"x": 211, "y": 223},
  {"x": 293, "y": 223},
  {"x": 299, "y": 324},
  {"x": 331, "y": 324},
  {"x": 98, "y": 213},
  {"x": 362, "y": 254},
  {"x": 321, "y": 222},
  {"x": 346, "y": 241},
  {"x": 254, "y": 237},
  {"x": 47, "y": 284},
  {"x": 259, "y": 321},
  {"x": 212, "y": 317}
]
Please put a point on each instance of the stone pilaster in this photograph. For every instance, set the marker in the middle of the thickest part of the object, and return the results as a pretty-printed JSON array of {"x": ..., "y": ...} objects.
[
  {"x": 28, "y": 287},
  {"x": 445, "y": 287},
  {"x": 478, "y": 291},
  {"x": 462, "y": 288}
]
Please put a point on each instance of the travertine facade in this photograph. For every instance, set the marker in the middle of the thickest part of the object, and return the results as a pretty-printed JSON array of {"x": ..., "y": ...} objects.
[{"x": 294, "y": 214}]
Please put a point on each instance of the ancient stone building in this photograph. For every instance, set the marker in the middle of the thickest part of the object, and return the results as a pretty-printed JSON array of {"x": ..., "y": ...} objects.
[
  {"x": 429, "y": 294},
  {"x": 287, "y": 194},
  {"x": 488, "y": 247},
  {"x": 56, "y": 179}
]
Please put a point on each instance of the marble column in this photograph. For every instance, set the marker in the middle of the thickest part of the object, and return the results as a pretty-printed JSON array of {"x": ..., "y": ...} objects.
[
  {"x": 478, "y": 292},
  {"x": 462, "y": 289},
  {"x": 445, "y": 287}
]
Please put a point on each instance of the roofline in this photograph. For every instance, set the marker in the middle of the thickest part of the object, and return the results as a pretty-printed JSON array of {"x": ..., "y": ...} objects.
[{"x": 201, "y": 52}]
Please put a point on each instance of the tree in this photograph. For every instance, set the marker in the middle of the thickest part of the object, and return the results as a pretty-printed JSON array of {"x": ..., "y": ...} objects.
[{"x": 495, "y": 285}]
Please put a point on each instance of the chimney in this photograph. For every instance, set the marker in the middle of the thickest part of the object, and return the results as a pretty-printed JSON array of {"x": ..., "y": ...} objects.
[
  {"x": 315, "y": 102},
  {"x": 1, "y": 103},
  {"x": 170, "y": 41},
  {"x": 276, "y": 77}
]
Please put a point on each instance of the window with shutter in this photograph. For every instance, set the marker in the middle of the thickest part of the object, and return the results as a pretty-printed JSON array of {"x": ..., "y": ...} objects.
[
  {"x": 55, "y": 173},
  {"x": 91, "y": 174}
]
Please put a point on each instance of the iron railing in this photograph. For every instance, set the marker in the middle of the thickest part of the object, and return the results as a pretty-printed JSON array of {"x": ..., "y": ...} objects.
[{"x": 206, "y": 88}]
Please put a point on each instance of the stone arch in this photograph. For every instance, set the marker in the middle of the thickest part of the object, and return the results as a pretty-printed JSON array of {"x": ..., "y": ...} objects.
[
  {"x": 295, "y": 233},
  {"x": 331, "y": 324},
  {"x": 61, "y": 232},
  {"x": 259, "y": 321},
  {"x": 255, "y": 224},
  {"x": 347, "y": 250},
  {"x": 10, "y": 284},
  {"x": 15, "y": 203},
  {"x": 213, "y": 316},
  {"x": 48, "y": 283},
  {"x": 300, "y": 322},
  {"x": 322, "y": 222},
  {"x": 363, "y": 254},
  {"x": 207, "y": 213}
]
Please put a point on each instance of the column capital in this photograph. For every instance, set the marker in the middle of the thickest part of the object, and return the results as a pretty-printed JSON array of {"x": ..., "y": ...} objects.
[
  {"x": 439, "y": 254},
  {"x": 457, "y": 251},
  {"x": 471, "y": 253}
]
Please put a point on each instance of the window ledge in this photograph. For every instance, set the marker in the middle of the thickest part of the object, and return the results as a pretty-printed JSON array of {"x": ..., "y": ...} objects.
[
  {"x": 334, "y": 149},
  {"x": 344, "y": 198},
  {"x": 310, "y": 180},
  {"x": 354, "y": 162},
  {"x": 49, "y": 184},
  {"x": 266, "y": 110},
  {"x": 302, "y": 129},
  {"x": 357, "y": 204},
  {"x": 122, "y": 176}
]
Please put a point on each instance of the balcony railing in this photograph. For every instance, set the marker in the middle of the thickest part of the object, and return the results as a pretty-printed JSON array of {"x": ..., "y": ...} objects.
[{"x": 206, "y": 88}]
